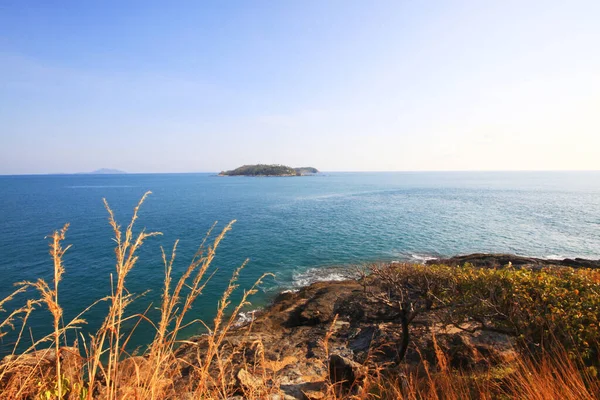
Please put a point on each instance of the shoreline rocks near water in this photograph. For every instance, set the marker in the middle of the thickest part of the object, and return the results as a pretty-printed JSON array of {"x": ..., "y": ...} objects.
[
  {"x": 362, "y": 331},
  {"x": 499, "y": 260},
  {"x": 334, "y": 331}
]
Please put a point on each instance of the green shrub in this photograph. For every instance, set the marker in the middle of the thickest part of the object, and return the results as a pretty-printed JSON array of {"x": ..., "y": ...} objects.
[{"x": 539, "y": 306}]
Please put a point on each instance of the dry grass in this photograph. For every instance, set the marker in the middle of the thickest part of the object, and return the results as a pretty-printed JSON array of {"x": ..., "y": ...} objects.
[
  {"x": 556, "y": 375},
  {"x": 98, "y": 366},
  {"x": 552, "y": 376}
]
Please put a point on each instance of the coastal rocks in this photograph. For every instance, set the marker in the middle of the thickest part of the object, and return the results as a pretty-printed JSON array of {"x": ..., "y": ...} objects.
[
  {"x": 324, "y": 338},
  {"x": 322, "y": 303},
  {"x": 40, "y": 364},
  {"x": 69, "y": 357},
  {"x": 500, "y": 260},
  {"x": 248, "y": 381},
  {"x": 133, "y": 367},
  {"x": 331, "y": 333},
  {"x": 345, "y": 371},
  {"x": 580, "y": 263}
]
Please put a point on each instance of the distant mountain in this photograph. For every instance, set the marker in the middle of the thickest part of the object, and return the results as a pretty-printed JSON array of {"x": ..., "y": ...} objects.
[
  {"x": 106, "y": 171},
  {"x": 269, "y": 170}
]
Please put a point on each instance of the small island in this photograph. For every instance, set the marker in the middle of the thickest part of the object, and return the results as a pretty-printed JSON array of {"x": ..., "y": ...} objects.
[{"x": 269, "y": 170}]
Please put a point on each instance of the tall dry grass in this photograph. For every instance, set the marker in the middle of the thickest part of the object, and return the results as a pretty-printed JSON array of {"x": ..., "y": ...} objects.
[
  {"x": 102, "y": 367},
  {"x": 551, "y": 376}
]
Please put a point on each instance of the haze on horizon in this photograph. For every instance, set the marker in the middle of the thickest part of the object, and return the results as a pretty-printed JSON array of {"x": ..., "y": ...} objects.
[{"x": 146, "y": 86}]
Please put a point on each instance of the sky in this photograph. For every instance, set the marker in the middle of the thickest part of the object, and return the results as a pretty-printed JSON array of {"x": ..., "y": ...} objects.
[{"x": 204, "y": 86}]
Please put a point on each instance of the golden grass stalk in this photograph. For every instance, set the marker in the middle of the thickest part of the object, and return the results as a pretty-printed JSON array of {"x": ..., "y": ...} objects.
[
  {"x": 51, "y": 297},
  {"x": 221, "y": 326},
  {"x": 9, "y": 321},
  {"x": 106, "y": 343},
  {"x": 556, "y": 375},
  {"x": 110, "y": 330}
]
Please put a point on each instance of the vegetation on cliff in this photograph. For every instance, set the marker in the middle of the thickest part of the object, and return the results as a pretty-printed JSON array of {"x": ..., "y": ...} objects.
[
  {"x": 269, "y": 170},
  {"x": 538, "y": 307},
  {"x": 392, "y": 331}
]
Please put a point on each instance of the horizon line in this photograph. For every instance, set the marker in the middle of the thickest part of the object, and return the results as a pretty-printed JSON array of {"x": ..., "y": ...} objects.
[{"x": 329, "y": 171}]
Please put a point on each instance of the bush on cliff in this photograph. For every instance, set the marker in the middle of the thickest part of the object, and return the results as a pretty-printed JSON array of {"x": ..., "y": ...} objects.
[{"x": 540, "y": 307}]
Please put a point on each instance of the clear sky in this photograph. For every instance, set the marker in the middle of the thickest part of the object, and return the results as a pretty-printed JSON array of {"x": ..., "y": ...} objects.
[{"x": 196, "y": 86}]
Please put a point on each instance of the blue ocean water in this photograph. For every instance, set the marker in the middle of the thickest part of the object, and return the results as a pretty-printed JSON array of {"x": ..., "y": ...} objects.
[{"x": 297, "y": 228}]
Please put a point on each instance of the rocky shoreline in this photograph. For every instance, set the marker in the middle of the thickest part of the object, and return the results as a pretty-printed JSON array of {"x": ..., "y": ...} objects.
[
  {"x": 499, "y": 260},
  {"x": 336, "y": 332},
  {"x": 362, "y": 331}
]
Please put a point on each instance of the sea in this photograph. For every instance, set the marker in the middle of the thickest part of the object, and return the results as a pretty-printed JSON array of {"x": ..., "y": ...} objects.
[{"x": 301, "y": 229}]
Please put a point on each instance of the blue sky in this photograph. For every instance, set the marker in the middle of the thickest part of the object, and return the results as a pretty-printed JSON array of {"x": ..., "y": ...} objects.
[{"x": 341, "y": 85}]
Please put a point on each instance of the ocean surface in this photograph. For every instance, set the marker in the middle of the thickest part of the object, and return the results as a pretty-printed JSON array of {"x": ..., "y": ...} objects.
[{"x": 301, "y": 228}]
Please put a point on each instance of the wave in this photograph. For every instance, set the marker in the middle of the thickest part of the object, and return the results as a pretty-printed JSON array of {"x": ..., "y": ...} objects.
[
  {"x": 350, "y": 194},
  {"x": 554, "y": 257},
  {"x": 422, "y": 258},
  {"x": 323, "y": 274},
  {"x": 245, "y": 317}
]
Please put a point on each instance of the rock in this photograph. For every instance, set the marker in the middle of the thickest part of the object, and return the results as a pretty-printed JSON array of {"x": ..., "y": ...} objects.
[
  {"x": 494, "y": 346},
  {"x": 361, "y": 340},
  {"x": 133, "y": 367},
  {"x": 318, "y": 303},
  {"x": 17, "y": 371},
  {"x": 46, "y": 358},
  {"x": 39, "y": 357},
  {"x": 248, "y": 381},
  {"x": 291, "y": 334},
  {"x": 345, "y": 371},
  {"x": 303, "y": 391},
  {"x": 581, "y": 263},
  {"x": 314, "y": 395},
  {"x": 500, "y": 260},
  {"x": 460, "y": 352}
]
